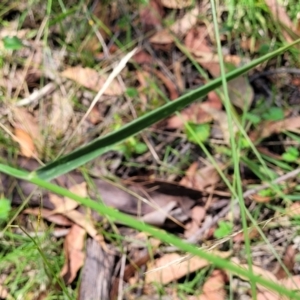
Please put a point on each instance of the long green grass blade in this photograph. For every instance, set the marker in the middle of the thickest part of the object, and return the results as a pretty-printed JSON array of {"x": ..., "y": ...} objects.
[
  {"x": 101, "y": 145},
  {"x": 161, "y": 235}
]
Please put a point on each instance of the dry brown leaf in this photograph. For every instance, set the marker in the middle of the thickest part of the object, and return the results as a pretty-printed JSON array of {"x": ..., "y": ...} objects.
[
  {"x": 194, "y": 113},
  {"x": 200, "y": 178},
  {"x": 25, "y": 141},
  {"x": 91, "y": 79},
  {"x": 288, "y": 261},
  {"x": 280, "y": 15},
  {"x": 240, "y": 92},
  {"x": 198, "y": 213},
  {"x": 167, "y": 269},
  {"x": 268, "y": 128},
  {"x": 48, "y": 215},
  {"x": 291, "y": 283},
  {"x": 179, "y": 28},
  {"x": 213, "y": 288},
  {"x": 95, "y": 117},
  {"x": 158, "y": 217},
  {"x": 151, "y": 15},
  {"x": 67, "y": 204},
  {"x": 27, "y": 131},
  {"x": 61, "y": 115},
  {"x": 259, "y": 272},
  {"x": 74, "y": 256},
  {"x": 83, "y": 221},
  {"x": 177, "y": 4},
  {"x": 293, "y": 210}
]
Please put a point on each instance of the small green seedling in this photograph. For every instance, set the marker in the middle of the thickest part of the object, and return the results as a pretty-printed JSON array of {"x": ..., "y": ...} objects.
[
  {"x": 224, "y": 229},
  {"x": 197, "y": 132},
  {"x": 12, "y": 43},
  {"x": 291, "y": 154},
  {"x": 5, "y": 208},
  {"x": 274, "y": 114}
]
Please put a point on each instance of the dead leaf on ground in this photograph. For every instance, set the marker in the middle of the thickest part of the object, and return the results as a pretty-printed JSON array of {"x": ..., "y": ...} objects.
[
  {"x": 74, "y": 256},
  {"x": 167, "y": 269},
  {"x": 61, "y": 115},
  {"x": 293, "y": 210},
  {"x": 196, "y": 42},
  {"x": 48, "y": 215},
  {"x": 241, "y": 93},
  {"x": 198, "y": 214},
  {"x": 92, "y": 79},
  {"x": 169, "y": 84},
  {"x": 213, "y": 288},
  {"x": 266, "y": 129},
  {"x": 85, "y": 222},
  {"x": 200, "y": 178},
  {"x": 67, "y": 204},
  {"x": 179, "y": 28},
  {"x": 177, "y": 4},
  {"x": 291, "y": 283},
  {"x": 288, "y": 261},
  {"x": 280, "y": 15},
  {"x": 27, "y": 132},
  {"x": 158, "y": 217},
  {"x": 151, "y": 14},
  {"x": 195, "y": 113},
  {"x": 25, "y": 141}
]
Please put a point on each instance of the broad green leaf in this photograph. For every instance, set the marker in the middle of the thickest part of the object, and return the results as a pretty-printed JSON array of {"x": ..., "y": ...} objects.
[
  {"x": 12, "y": 43},
  {"x": 103, "y": 144}
]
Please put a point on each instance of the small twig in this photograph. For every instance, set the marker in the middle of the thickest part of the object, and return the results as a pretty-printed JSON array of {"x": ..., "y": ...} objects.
[
  {"x": 199, "y": 233},
  {"x": 37, "y": 95}
]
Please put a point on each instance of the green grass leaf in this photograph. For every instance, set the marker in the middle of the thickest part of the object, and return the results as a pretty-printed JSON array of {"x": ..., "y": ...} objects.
[{"x": 103, "y": 144}]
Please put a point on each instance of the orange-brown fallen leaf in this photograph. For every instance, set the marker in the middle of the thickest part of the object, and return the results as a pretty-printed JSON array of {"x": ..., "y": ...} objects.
[
  {"x": 179, "y": 28},
  {"x": 282, "y": 17},
  {"x": 48, "y": 215},
  {"x": 268, "y": 128},
  {"x": 92, "y": 79},
  {"x": 197, "y": 215},
  {"x": 25, "y": 141},
  {"x": 74, "y": 256},
  {"x": 195, "y": 112},
  {"x": 167, "y": 269},
  {"x": 177, "y": 4},
  {"x": 67, "y": 204},
  {"x": 151, "y": 14},
  {"x": 200, "y": 178}
]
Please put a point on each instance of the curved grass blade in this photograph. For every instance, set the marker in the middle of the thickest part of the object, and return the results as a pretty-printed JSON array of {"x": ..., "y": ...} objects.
[
  {"x": 103, "y": 144},
  {"x": 160, "y": 234}
]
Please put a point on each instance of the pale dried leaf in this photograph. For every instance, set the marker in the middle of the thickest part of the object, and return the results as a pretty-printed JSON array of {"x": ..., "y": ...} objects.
[
  {"x": 177, "y": 4},
  {"x": 73, "y": 246},
  {"x": 82, "y": 220},
  {"x": 179, "y": 28},
  {"x": 25, "y": 141},
  {"x": 280, "y": 15},
  {"x": 240, "y": 92},
  {"x": 68, "y": 204},
  {"x": 268, "y": 128},
  {"x": 61, "y": 115},
  {"x": 200, "y": 178},
  {"x": 48, "y": 215},
  {"x": 158, "y": 217},
  {"x": 91, "y": 79},
  {"x": 167, "y": 269}
]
